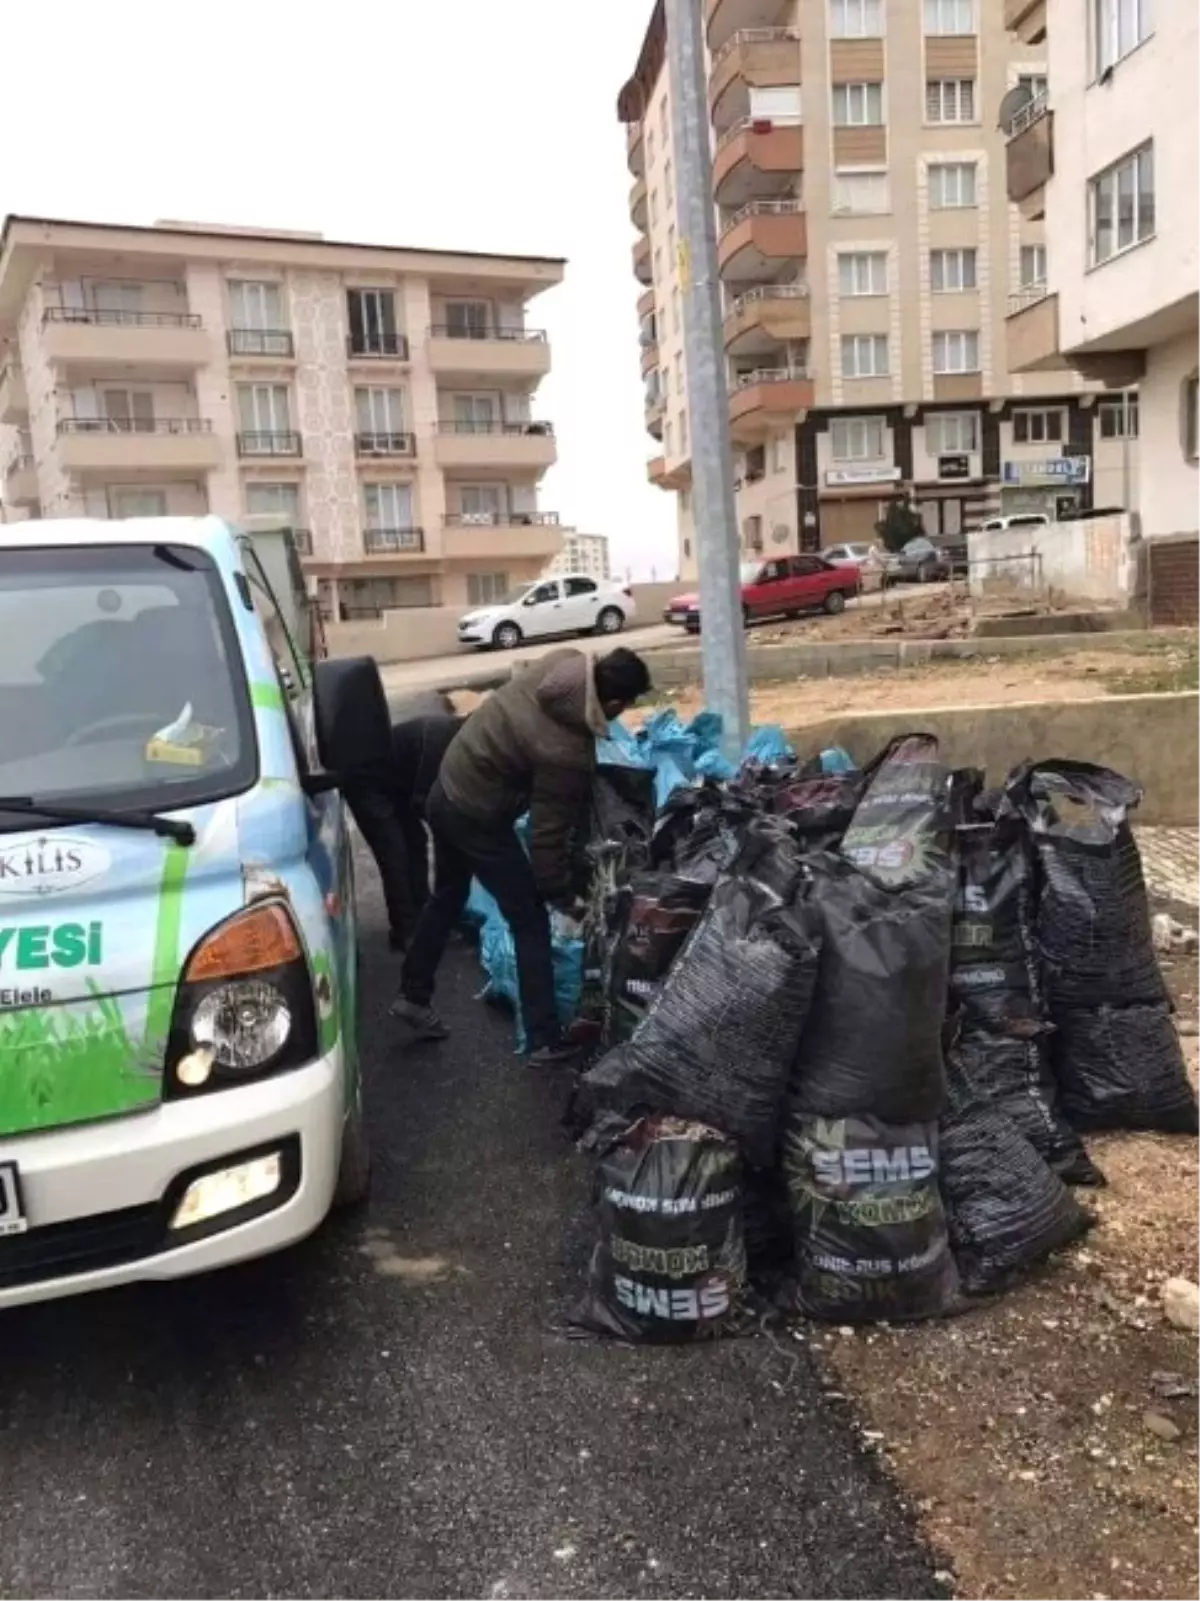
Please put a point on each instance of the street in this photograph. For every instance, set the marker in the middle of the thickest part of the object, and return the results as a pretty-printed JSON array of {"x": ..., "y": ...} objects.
[{"x": 393, "y": 1409}]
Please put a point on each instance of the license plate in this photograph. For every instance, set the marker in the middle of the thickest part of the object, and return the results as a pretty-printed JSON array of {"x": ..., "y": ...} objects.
[
  {"x": 12, "y": 1213},
  {"x": 678, "y": 617}
]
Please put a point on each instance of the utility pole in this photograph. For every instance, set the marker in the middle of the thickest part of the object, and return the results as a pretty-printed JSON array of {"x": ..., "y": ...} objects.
[{"x": 723, "y": 631}]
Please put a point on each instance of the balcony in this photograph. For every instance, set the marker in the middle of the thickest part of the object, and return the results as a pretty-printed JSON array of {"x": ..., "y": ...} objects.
[
  {"x": 479, "y": 536},
  {"x": 375, "y": 445},
  {"x": 635, "y": 148},
  {"x": 656, "y": 471},
  {"x": 394, "y": 541},
  {"x": 757, "y": 160},
  {"x": 377, "y": 347},
  {"x": 260, "y": 443},
  {"x": 131, "y": 444},
  {"x": 637, "y": 204},
  {"x": 498, "y": 353},
  {"x": 86, "y": 337},
  {"x": 642, "y": 269},
  {"x": 20, "y": 480},
  {"x": 656, "y": 410},
  {"x": 14, "y": 402},
  {"x": 759, "y": 58},
  {"x": 527, "y": 446},
  {"x": 725, "y": 18},
  {"x": 763, "y": 241},
  {"x": 1027, "y": 19},
  {"x": 764, "y": 318},
  {"x": 276, "y": 344},
  {"x": 766, "y": 397},
  {"x": 1034, "y": 345},
  {"x": 1029, "y": 153},
  {"x": 646, "y": 304},
  {"x": 677, "y": 477},
  {"x": 649, "y": 357}
]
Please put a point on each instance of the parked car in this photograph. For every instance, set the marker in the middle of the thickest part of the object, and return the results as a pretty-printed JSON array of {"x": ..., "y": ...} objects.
[
  {"x": 926, "y": 561},
  {"x": 854, "y": 555},
  {"x": 785, "y": 586},
  {"x": 570, "y": 604},
  {"x": 1020, "y": 519}
]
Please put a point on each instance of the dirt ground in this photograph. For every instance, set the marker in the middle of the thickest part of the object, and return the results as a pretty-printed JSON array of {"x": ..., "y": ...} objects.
[{"x": 1020, "y": 1429}]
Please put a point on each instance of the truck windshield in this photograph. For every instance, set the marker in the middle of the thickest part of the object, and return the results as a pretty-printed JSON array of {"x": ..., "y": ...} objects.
[{"x": 121, "y": 680}]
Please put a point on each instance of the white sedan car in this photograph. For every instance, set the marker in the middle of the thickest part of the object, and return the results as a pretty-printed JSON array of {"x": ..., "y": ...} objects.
[
  {"x": 568, "y": 604},
  {"x": 853, "y": 555}
]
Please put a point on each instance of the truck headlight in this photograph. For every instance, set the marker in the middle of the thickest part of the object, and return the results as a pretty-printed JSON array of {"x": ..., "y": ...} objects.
[{"x": 245, "y": 1024}]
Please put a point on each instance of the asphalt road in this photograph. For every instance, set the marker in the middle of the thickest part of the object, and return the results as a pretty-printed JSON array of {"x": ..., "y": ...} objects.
[{"x": 393, "y": 1409}]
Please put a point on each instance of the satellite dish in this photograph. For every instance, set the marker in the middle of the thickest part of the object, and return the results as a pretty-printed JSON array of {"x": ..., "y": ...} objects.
[
  {"x": 1017, "y": 98},
  {"x": 780, "y": 533}
]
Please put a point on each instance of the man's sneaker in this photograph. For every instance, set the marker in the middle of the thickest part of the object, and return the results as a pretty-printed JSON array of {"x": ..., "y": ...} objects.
[
  {"x": 562, "y": 1053},
  {"x": 423, "y": 1021}
]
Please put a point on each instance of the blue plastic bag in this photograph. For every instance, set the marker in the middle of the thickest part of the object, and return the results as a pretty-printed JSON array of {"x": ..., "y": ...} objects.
[{"x": 498, "y": 954}]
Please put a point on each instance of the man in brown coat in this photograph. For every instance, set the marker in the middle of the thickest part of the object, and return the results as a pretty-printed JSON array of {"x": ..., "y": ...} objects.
[{"x": 530, "y": 747}]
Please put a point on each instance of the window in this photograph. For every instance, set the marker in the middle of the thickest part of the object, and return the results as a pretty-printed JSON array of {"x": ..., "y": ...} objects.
[
  {"x": 388, "y": 505},
  {"x": 649, "y": 146},
  {"x": 666, "y": 380},
  {"x": 475, "y": 414},
  {"x": 779, "y": 455},
  {"x": 685, "y": 500},
  {"x": 864, "y": 356},
  {"x": 255, "y": 305},
  {"x": 1033, "y": 265},
  {"x": 1035, "y": 84},
  {"x": 861, "y": 194},
  {"x": 467, "y": 319},
  {"x": 372, "y": 316},
  {"x": 579, "y": 586},
  {"x": 653, "y": 206},
  {"x": 481, "y": 503},
  {"x": 137, "y": 503},
  {"x": 671, "y": 248},
  {"x": 658, "y": 266},
  {"x": 668, "y": 439},
  {"x": 855, "y": 19},
  {"x": 856, "y": 438},
  {"x": 1118, "y": 417},
  {"x": 952, "y": 271},
  {"x": 126, "y": 411},
  {"x": 668, "y": 186},
  {"x": 952, "y": 433},
  {"x": 949, "y": 16},
  {"x": 379, "y": 411},
  {"x": 264, "y": 409},
  {"x": 676, "y": 320},
  {"x": 1044, "y": 427},
  {"x": 950, "y": 100},
  {"x": 951, "y": 185},
  {"x": 274, "y": 500},
  {"x": 485, "y": 589},
  {"x": 1118, "y": 26},
  {"x": 857, "y": 105},
  {"x": 1121, "y": 206},
  {"x": 1189, "y": 422},
  {"x": 664, "y": 121},
  {"x": 863, "y": 273},
  {"x": 683, "y": 433},
  {"x": 955, "y": 352}
]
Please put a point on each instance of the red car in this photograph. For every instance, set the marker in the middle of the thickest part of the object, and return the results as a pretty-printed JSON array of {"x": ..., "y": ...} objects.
[{"x": 784, "y": 586}]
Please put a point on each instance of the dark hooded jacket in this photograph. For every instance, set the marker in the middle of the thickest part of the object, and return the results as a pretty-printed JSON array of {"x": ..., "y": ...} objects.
[
  {"x": 418, "y": 745},
  {"x": 531, "y": 746}
]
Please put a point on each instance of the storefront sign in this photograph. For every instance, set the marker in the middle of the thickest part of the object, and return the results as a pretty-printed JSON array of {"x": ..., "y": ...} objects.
[
  {"x": 954, "y": 466},
  {"x": 848, "y": 476},
  {"x": 1048, "y": 470}
]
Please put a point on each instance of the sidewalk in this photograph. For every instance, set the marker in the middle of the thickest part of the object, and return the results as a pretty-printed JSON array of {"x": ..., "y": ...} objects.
[{"x": 1171, "y": 861}]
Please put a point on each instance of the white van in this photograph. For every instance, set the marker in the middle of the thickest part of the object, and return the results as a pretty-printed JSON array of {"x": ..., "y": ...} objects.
[{"x": 1020, "y": 519}]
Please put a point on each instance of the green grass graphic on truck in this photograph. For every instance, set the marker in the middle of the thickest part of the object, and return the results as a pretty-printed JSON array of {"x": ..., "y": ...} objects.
[{"x": 68, "y": 1064}]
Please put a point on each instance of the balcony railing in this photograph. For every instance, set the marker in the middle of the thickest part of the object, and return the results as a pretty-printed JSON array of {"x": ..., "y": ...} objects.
[
  {"x": 771, "y": 375},
  {"x": 1025, "y": 116},
  {"x": 501, "y": 519},
  {"x": 1027, "y": 295},
  {"x": 509, "y": 429},
  {"x": 121, "y": 319},
  {"x": 379, "y": 346},
  {"x": 748, "y": 36},
  {"x": 257, "y": 442},
  {"x": 385, "y": 444},
  {"x": 756, "y": 125},
  {"x": 512, "y": 336},
  {"x": 767, "y": 292},
  {"x": 134, "y": 425},
  {"x": 763, "y": 208},
  {"x": 393, "y": 541},
  {"x": 260, "y": 342}
]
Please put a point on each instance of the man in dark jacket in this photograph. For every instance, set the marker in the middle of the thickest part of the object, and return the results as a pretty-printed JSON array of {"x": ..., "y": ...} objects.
[
  {"x": 530, "y": 747},
  {"x": 388, "y": 804}
]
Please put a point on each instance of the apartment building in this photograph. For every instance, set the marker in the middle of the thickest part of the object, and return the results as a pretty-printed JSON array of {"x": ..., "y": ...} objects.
[
  {"x": 867, "y": 247},
  {"x": 1105, "y": 153},
  {"x": 582, "y": 553},
  {"x": 380, "y": 401}
]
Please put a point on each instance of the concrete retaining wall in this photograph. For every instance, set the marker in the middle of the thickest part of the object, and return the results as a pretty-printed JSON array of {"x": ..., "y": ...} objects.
[
  {"x": 416, "y": 633},
  {"x": 1152, "y": 738},
  {"x": 1094, "y": 558}
]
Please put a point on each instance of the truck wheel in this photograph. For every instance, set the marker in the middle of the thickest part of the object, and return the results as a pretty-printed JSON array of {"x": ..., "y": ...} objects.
[
  {"x": 507, "y": 636},
  {"x": 835, "y": 602},
  {"x": 354, "y": 1169}
]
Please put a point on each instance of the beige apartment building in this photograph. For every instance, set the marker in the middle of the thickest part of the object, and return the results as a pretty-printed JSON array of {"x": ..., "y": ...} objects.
[
  {"x": 868, "y": 247},
  {"x": 582, "y": 553},
  {"x": 1106, "y": 154},
  {"x": 380, "y": 401}
]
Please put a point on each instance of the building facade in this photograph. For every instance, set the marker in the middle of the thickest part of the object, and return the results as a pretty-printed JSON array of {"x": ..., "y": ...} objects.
[
  {"x": 868, "y": 248},
  {"x": 1106, "y": 154},
  {"x": 380, "y": 401},
  {"x": 582, "y": 553}
]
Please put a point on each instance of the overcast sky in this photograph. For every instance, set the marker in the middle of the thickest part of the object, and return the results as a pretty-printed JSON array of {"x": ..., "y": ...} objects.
[{"x": 477, "y": 125}]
